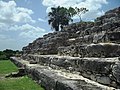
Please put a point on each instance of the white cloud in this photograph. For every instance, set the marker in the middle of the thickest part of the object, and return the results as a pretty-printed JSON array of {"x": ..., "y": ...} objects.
[
  {"x": 41, "y": 20},
  {"x": 22, "y": 35},
  {"x": 94, "y": 6},
  {"x": 60, "y": 2},
  {"x": 11, "y": 14},
  {"x": 17, "y": 26},
  {"x": 29, "y": 31}
]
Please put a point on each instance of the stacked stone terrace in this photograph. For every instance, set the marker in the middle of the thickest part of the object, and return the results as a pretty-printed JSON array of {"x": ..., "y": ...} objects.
[
  {"x": 90, "y": 50},
  {"x": 103, "y": 33}
]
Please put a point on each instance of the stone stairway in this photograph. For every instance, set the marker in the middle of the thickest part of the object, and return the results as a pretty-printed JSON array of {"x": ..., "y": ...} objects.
[{"x": 58, "y": 77}]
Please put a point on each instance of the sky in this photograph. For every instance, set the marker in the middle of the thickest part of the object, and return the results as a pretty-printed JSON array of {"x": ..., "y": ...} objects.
[{"x": 22, "y": 21}]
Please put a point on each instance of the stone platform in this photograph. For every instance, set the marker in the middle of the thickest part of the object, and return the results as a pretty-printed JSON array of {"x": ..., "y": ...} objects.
[{"x": 70, "y": 73}]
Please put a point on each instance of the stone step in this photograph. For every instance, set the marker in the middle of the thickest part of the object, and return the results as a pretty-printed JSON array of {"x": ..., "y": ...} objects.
[
  {"x": 53, "y": 79},
  {"x": 102, "y": 70},
  {"x": 91, "y": 50}
]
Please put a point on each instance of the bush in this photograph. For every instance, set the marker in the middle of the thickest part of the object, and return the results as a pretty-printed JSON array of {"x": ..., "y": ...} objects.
[
  {"x": 6, "y": 54},
  {"x": 3, "y": 57}
]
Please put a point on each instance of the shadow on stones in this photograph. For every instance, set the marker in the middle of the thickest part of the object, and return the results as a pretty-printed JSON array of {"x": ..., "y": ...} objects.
[{"x": 20, "y": 73}]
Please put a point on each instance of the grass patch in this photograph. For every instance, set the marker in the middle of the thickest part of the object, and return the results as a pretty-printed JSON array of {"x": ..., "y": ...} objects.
[
  {"x": 6, "y": 66},
  {"x": 21, "y": 83}
]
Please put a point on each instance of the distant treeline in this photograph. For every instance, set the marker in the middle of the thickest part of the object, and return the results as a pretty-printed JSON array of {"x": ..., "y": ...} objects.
[{"x": 6, "y": 54}]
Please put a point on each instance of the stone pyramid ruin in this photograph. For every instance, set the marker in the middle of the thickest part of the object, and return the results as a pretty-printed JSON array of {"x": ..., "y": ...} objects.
[{"x": 83, "y": 56}]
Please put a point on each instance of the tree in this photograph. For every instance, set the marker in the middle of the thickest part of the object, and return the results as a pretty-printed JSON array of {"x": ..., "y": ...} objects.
[
  {"x": 60, "y": 16},
  {"x": 8, "y": 53},
  {"x": 80, "y": 11},
  {"x": 2, "y": 56}
]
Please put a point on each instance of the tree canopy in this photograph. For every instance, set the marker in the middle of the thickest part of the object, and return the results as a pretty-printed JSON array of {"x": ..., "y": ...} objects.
[
  {"x": 6, "y": 54},
  {"x": 61, "y": 16},
  {"x": 80, "y": 11}
]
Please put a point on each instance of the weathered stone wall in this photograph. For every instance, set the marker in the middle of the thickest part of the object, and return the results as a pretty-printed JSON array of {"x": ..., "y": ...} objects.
[
  {"x": 105, "y": 29},
  {"x": 91, "y": 50}
]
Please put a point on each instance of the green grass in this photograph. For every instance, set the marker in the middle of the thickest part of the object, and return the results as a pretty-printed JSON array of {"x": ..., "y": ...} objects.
[
  {"x": 21, "y": 83},
  {"x": 6, "y": 66}
]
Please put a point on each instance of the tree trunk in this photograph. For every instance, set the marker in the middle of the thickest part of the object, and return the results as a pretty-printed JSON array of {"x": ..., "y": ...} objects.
[
  {"x": 80, "y": 18},
  {"x": 57, "y": 28}
]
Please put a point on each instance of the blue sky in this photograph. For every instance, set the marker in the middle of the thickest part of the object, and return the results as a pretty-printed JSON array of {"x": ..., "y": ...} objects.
[{"x": 22, "y": 21}]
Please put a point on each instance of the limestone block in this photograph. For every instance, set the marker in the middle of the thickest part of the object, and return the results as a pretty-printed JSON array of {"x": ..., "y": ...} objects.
[
  {"x": 116, "y": 71},
  {"x": 103, "y": 80}
]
